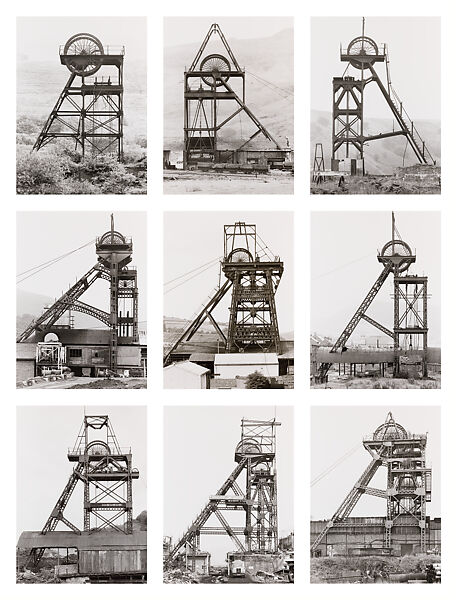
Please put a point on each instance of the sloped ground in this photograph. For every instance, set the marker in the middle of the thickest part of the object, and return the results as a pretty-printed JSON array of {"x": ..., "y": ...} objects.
[
  {"x": 378, "y": 184},
  {"x": 380, "y": 383},
  {"x": 112, "y": 384}
]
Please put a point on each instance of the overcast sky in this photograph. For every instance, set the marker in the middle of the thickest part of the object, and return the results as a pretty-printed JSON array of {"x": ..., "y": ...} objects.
[
  {"x": 44, "y": 435},
  {"x": 414, "y": 53},
  {"x": 43, "y": 236},
  {"x": 187, "y": 30},
  {"x": 206, "y": 437},
  {"x": 337, "y": 429},
  {"x": 39, "y": 38},
  {"x": 344, "y": 267},
  {"x": 192, "y": 239}
]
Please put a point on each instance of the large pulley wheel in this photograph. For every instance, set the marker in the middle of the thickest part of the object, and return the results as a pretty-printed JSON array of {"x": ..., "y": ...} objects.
[
  {"x": 215, "y": 64},
  {"x": 399, "y": 253},
  {"x": 82, "y": 51},
  {"x": 360, "y": 47},
  {"x": 240, "y": 255}
]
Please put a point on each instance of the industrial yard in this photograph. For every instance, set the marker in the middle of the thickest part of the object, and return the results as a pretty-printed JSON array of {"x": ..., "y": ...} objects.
[
  {"x": 65, "y": 343},
  {"x": 365, "y": 137},
  {"x": 392, "y": 340},
  {"x": 235, "y": 537},
  {"x": 218, "y": 143},
  {"x": 233, "y": 339},
  {"x": 376, "y": 535},
  {"x": 109, "y": 545}
]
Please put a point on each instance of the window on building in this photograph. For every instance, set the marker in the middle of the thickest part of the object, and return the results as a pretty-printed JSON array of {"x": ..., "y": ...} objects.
[{"x": 75, "y": 352}]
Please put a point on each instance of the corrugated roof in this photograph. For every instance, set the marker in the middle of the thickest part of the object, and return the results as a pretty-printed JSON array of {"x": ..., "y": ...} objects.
[
  {"x": 84, "y": 541},
  {"x": 247, "y": 358},
  {"x": 202, "y": 357},
  {"x": 189, "y": 367},
  {"x": 25, "y": 351}
]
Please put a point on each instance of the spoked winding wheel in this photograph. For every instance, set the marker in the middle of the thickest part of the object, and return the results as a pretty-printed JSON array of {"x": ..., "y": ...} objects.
[
  {"x": 400, "y": 254},
  {"x": 240, "y": 255},
  {"x": 215, "y": 64},
  {"x": 82, "y": 50},
  {"x": 361, "y": 46}
]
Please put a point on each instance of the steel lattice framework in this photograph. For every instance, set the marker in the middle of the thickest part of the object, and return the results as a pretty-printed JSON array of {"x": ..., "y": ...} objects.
[
  {"x": 253, "y": 322},
  {"x": 363, "y": 54},
  {"x": 89, "y": 110},
  {"x": 410, "y": 325},
  {"x": 408, "y": 482},
  {"x": 203, "y": 113},
  {"x": 255, "y": 456},
  {"x": 106, "y": 471},
  {"x": 114, "y": 252}
]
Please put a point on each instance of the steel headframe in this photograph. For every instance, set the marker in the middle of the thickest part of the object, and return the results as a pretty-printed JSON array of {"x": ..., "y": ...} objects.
[
  {"x": 107, "y": 474},
  {"x": 202, "y": 123},
  {"x": 89, "y": 110},
  {"x": 114, "y": 252},
  {"x": 362, "y": 54},
  {"x": 255, "y": 455},
  {"x": 253, "y": 321},
  {"x": 408, "y": 482},
  {"x": 410, "y": 326}
]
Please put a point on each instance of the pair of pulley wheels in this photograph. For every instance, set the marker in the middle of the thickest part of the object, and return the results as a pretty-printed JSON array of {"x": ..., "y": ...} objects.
[
  {"x": 215, "y": 64},
  {"x": 82, "y": 51}
]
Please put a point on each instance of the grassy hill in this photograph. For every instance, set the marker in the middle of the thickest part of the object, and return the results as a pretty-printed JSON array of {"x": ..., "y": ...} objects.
[{"x": 381, "y": 156}]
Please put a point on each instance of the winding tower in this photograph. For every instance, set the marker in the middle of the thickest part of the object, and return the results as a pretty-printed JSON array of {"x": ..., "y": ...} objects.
[
  {"x": 114, "y": 252},
  {"x": 89, "y": 110},
  {"x": 408, "y": 484},
  {"x": 253, "y": 274},
  {"x": 255, "y": 456},
  {"x": 410, "y": 323},
  {"x": 106, "y": 472},
  {"x": 214, "y": 93},
  {"x": 363, "y": 54}
]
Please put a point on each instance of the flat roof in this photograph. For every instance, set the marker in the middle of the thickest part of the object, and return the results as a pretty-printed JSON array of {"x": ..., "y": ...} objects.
[
  {"x": 98, "y": 540},
  {"x": 247, "y": 358}
]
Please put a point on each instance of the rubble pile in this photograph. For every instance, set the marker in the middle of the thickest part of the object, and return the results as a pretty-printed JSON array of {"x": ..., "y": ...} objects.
[
  {"x": 179, "y": 576},
  {"x": 43, "y": 576}
]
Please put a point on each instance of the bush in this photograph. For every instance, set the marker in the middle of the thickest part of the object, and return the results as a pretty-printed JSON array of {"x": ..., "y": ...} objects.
[{"x": 257, "y": 381}]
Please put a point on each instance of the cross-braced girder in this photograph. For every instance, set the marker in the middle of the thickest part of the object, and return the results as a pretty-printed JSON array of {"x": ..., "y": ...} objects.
[
  {"x": 408, "y": 482},
  {"x": 255, "y": 455}
]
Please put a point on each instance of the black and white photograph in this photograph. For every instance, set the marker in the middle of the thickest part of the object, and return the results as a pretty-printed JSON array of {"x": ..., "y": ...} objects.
[
  {"x": 376, "y": 497},
  {"x": 375, "y": 300},
  {"x": 81, "y": 500},
  {"x": 230, "y": 522},
  {"x": 81, "y": 105},
  {"x": 375, "y": 105},
  {"x": 81, "y": 300},
  {"x": 228, "y": 105},
  {"x": 228, "y": 300}
]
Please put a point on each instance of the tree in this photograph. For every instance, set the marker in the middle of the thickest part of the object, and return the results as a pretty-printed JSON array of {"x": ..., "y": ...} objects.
[{"x": 257, "y": 381}]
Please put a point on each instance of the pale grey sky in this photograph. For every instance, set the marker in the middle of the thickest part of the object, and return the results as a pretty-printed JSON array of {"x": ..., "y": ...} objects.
[
  {"x": 43, "y": 236},
  {"x": 44, "y": 435},
  {"x": 39, "y": 38},
  {"x": 414, "y": 52},
  {"x": 344, "y": 266},
  {"x": 335, "y": 430},
  {"x": 192, "y": 239},
  {"x": 199, "y": 444},
  {"x": 187, "y": 30}
]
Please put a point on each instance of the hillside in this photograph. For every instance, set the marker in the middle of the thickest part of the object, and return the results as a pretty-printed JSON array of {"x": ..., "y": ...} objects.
[
  {"x": 270, "y": 58},
  {"x": 381, "y": 156}
]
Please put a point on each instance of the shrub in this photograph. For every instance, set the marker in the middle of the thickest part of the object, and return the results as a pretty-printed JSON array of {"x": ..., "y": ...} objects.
[{"x": 257, "y": 381}]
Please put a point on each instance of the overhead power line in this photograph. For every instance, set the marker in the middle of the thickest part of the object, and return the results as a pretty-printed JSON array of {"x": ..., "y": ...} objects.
[{"x": 49, "y": 263}]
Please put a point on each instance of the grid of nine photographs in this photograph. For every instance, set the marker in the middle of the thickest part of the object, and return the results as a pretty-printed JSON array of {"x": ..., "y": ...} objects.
[{"x": 278, "y": 227}]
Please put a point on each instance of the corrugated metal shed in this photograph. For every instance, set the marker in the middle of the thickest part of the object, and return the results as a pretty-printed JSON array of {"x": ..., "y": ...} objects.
[
  {"x": 188, "y": 367},
  {"x": 103, "y": 540}
]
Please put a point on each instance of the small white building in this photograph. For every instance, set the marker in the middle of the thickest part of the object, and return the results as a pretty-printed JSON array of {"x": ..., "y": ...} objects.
[
  {"x": 230, "y": 366},
  {"x": 186, "y": 375}
]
